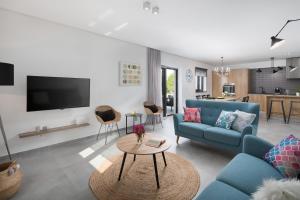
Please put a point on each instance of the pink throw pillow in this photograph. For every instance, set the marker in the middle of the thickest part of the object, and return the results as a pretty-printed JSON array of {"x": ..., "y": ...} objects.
[
  {"x": 192, "y": 115},
  {"x": 285, "y": 157}
]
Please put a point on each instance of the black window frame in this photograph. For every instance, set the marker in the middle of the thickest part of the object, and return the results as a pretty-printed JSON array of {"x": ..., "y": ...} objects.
[{"x": 200, "y": 87}]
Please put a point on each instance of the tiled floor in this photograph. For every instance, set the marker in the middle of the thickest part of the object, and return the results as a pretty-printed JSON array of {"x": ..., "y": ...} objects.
[{"x": 62, "y": 171}]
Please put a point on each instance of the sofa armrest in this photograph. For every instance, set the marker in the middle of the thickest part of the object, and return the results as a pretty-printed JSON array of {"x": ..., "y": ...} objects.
[
  {"x": 256, "y": 146},
  {"x": 178, "y": 118}
]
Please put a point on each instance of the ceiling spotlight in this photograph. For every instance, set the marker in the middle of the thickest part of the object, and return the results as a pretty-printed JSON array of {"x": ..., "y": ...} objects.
[
  {"x": 155, "y": 10},
  {"x": 146, "y": 5},
  {"x": 292, "y": 68}
]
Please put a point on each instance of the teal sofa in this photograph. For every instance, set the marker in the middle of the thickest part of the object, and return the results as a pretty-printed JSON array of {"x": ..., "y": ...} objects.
[
  {"x": 243, "y": 174},
  {"x": 206, "y": 131}
]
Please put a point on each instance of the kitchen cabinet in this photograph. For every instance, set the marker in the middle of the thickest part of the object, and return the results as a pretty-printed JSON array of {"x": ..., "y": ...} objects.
[
  {"x": 259, "y": 99},
  {"x": 240, "y": 77}
]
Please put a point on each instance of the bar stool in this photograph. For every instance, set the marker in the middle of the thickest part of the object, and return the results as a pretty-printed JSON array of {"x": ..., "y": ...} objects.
[
  {"x": 291, "y": 107},
  {"x": 282, "y": 108}
]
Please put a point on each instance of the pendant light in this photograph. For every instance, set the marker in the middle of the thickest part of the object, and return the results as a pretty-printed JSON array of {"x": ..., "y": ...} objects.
[
  {"x": 275, "y": 41},
  {"x": 222, "y": 71}
]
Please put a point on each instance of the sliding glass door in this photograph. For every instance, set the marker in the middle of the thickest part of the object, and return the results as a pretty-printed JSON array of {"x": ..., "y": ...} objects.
[{"x": 169, "y": 90}]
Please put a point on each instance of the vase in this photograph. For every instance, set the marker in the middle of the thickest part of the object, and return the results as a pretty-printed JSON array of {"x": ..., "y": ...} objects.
[{"x": 140, "y": 138}]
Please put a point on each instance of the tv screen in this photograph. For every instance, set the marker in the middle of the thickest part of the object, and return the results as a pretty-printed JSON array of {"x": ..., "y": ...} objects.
[
  {"x": 48, "y": 93},
  {"x": 6, "y": 74}
]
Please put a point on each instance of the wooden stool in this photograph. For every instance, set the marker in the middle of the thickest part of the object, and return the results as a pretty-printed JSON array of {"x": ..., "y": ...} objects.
[
  {"x": 291, "y": 107},
  {"x": 282, "y": 108}
]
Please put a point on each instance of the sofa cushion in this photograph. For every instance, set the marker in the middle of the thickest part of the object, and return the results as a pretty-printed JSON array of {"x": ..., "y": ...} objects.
[
  {"x": 243, "y": 120},
  {"x": 226, "y": 119},
  {"x": 285, "y": 156},
  {"x": 195, "y": 129},
  {"x": 246, "y": 173},
  {"x": 221, "y": 191},
  {"x": 192, "y": 115},
  {"x": 223, "y": 136}
]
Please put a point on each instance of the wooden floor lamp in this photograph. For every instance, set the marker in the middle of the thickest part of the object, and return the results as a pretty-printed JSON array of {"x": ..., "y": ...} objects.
[{"x": 6, "y": 78}]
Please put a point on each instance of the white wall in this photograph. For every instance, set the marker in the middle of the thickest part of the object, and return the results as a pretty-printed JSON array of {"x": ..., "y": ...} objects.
[
  {"x": 38, "y": 47},
  {"x": 186, "y": 89}
]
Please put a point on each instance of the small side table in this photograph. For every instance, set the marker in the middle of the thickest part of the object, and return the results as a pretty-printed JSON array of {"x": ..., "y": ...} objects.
[
  {"x": 128, "y": 145},
  {"x": 137, "y": 115}
]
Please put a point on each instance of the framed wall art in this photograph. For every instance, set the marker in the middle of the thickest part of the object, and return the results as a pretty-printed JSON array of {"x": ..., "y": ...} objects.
[{"x": 130, "y": 74}]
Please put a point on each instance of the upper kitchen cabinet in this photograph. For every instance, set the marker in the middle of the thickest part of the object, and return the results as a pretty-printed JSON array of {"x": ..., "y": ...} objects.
[
  {"x": 293, "y": 68},
  {"x": 237, "y": 77}
]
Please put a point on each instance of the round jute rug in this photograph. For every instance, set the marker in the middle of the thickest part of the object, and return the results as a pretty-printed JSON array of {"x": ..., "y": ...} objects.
[{"x": 178, "y": 181}]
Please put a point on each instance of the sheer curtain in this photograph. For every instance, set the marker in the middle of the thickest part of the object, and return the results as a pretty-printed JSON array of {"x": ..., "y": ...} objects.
[{"x": 154, "y": 77}]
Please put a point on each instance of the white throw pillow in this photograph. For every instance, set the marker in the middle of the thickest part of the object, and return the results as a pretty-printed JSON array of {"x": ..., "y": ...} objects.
[
  {"x": 243, "y": 120},
  {"x": 278, "y": 190}
]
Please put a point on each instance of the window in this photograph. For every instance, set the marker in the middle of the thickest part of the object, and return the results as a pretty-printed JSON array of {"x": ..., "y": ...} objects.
[{"x": 201, "y": 79}]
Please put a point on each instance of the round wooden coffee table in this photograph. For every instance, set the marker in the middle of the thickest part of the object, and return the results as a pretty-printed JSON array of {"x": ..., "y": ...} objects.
[{"x": 128, "y": 144}]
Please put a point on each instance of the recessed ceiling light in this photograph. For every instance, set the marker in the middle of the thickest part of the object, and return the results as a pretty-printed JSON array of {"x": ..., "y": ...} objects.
[
  {"x": 121, "y": 26},
  {"x": 146, "y": 5},
  {"x": 92, "y": 24},
  {"x": 108, "y": 33},
  {"x": 155, "y": 10}
]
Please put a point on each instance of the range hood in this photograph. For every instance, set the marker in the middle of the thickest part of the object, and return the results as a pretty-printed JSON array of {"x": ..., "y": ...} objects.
[{"x": 293, "y": 68}]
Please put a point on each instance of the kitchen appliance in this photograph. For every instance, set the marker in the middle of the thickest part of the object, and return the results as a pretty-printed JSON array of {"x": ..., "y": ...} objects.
[
  {"x": 229, "y": 89},
  {"x": 277, "y": 90}
]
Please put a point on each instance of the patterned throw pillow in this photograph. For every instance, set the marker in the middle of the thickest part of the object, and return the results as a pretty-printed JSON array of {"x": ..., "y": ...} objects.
[
  {"x": 285, "y": 157},
  {"x": 192, "y": 115},
  {"x": 243, "y": 120},
  {"x": 226, "y": 119}
]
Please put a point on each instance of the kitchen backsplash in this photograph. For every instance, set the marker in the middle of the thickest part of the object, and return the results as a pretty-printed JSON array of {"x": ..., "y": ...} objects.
[{"x": 269, "y": 81}]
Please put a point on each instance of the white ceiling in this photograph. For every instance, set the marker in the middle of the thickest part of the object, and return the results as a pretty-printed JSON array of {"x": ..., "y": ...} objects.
[{"x": 204, "y": 30}]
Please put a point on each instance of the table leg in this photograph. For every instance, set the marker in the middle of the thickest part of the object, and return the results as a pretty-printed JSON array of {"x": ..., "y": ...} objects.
[
  {"x": 134, "y": 157},
  {"x": 155, "y": 168},
  {"x": 122, "y": 166},
  {"x": 126, "y": 126},
  {"x": 163, "y": 154}
]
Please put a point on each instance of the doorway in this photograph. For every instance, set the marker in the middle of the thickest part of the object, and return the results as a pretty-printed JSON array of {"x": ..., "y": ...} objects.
[{"x": 169, "y": 90}]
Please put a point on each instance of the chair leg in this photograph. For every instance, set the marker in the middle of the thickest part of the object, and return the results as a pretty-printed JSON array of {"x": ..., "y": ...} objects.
[
  {"x": 106, "y": 133},
  {"x": 283, "y": 112},
  {"x": 99, "y": 131},
  {"x": 160, "y": 121},
  {"x": 153, "y": 122},
  {"x": 290, "y": 112},
  {"x": 177, "y": 140},
  {"x": 118, "y": 129},
  {"x": 270, "y": 110}
]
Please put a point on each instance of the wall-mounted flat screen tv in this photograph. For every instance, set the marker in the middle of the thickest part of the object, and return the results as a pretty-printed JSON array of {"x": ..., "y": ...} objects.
[
  {"x": 48, "y": 93},
  {"x": 6, "y": 74}
]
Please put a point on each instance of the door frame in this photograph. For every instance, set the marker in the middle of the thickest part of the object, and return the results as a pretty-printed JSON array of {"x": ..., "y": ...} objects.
[{"x": 164, "y": 87}]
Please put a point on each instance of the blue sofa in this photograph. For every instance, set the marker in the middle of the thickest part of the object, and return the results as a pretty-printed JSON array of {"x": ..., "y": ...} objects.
[
  {"x": 207, "y": 133},
  {"x": 243, "y": 174}
]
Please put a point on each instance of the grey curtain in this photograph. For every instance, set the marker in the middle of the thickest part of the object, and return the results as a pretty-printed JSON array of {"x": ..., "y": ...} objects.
[{"x": 154, "y": 76}]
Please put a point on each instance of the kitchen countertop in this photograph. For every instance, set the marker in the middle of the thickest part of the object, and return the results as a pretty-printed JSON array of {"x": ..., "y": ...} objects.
[{"x": 276, "y": 95}]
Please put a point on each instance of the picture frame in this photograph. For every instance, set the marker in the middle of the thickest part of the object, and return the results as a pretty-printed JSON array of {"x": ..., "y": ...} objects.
[{"x": 130, "y": 74}]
